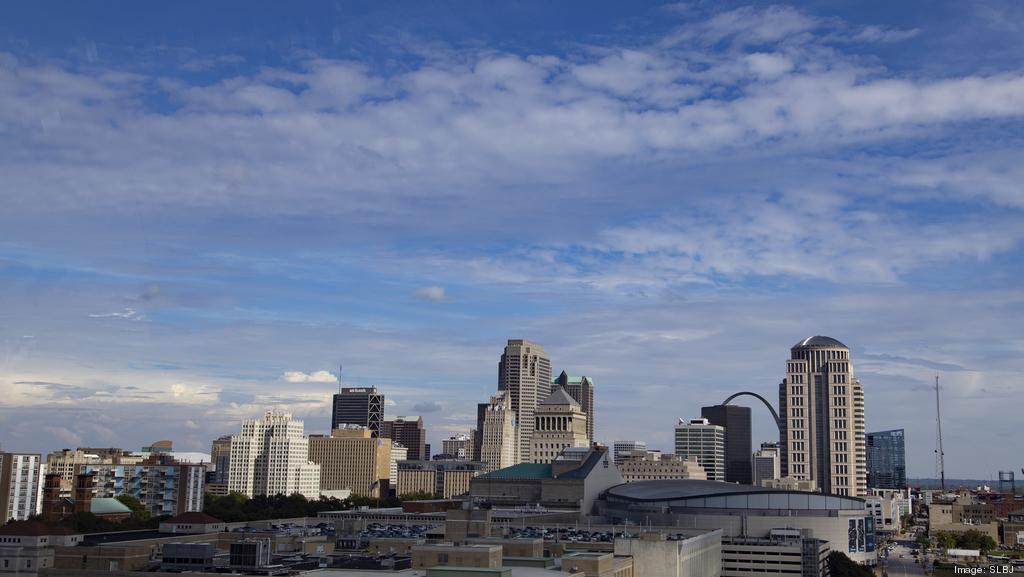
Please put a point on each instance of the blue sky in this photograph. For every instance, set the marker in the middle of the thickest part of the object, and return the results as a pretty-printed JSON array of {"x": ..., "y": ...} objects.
[{"x": 207, "y": 208}]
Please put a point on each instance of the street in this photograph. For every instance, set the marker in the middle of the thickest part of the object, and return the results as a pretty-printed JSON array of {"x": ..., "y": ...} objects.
[{"x": 895, "y": 566}]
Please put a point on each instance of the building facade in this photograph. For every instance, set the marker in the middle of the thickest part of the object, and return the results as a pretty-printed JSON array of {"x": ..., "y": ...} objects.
[
  {"x": 621, "y": 450},
  {"x": 559, "y": 423},
  {"x": 822, "y": 412},
  {"x": 886, "y": 459},
  {"x": 220, "y": 459},
  {"x": 653, "y": 466},
  {"x": 20, "y": 485},
  {"x": 270, "y": 456},
  {"x": 699, "y": 438},
  {"x": 362, "y": 406},
  {"x": 458, "y": 447},
  {"x": 499, "y": 447},
  {"x": 163, "y": 485},
  {"x": 582, "y": 390},
  {"x": 351, "y": 458},
  {"x": 409, "y": 432},
  {"x": 525, "y": 372},
  {"x": 736, "y": 420},
  {"x": 444, "y": 479},
  {"x": 766, "y": 464}
]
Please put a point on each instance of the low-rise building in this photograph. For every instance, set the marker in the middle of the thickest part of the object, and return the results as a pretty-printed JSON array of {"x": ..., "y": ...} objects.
[
  {"x": 653, "y": 466},
  {"x": 28, "y": 546},
  {"x": 1013, "y": 529},
  {"x": 162, "y": 484},
  {"x": 426, "y": 556},
  {"x": 686, "y": 553},
  {"x": 187, "y": 557},
  {"x": 776, "y": 555},
  {"x": 192, "y": 523},
  {"x": 445, "y": 479},
  {"x": 791, "y": 484},
  {"x": 597, "y": 564}
]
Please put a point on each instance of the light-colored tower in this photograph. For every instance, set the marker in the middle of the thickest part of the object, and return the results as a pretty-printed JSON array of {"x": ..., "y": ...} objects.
[
  {"x": 19, "y": 485},
  {"x": 458, "y": 447},
  {"x": 351, "y": 458},
  {"x": 699, "y": 438},
  {"x": 271, "y": 456},
  {"x": 525, "y": 372},
  {"x": 822, "y": 410},
  {"x": 765, "y": 464},
  {"x": 499, "y": 447},
  {"x": 582, "y": 389},
  {"x": 559, "y": 422},
  {"x": 399, "y": 452}
]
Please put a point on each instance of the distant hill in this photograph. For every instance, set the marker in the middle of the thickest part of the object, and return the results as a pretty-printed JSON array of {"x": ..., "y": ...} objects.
[{"x": 954, "y": 483}]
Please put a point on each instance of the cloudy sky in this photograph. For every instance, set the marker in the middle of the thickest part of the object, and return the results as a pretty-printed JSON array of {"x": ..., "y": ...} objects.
[{"x": 204, "y": 210}]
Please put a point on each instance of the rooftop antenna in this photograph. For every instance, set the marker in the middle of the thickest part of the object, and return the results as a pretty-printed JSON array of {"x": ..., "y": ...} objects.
[
  {"x": 940, "y": 455},
  {"x": 339, "y": 377}
]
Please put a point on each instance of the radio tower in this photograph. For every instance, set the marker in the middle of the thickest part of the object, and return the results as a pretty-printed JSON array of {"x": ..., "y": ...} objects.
[
  {"x": 940, "y": 464},
  {"x": 339, "y": 378}
]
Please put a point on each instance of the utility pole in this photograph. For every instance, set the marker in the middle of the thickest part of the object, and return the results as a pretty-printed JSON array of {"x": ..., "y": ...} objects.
[{"x": 940, "y": 455}]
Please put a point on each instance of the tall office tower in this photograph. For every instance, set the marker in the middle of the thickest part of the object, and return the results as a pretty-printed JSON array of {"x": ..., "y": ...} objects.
[
  {"x": 559, "y": 423},
  {"x": 821, "y": 405},
  {"x": 362, "y": 406},
  {"x": 458, "y": 447},
  {"x": 525, "y": 372},
  {"x": 478, "y": 433},
  {"x": 220, "y": 458},
  {"x": 887, "y": 460},
  {"x": 623, "y": 450},
  {"x": 398, "y": 453},
  {"x": 20, "y": 479},
  {"x": 699, "y": 438},
  {"x": 581, "y": 389},
  {"x": 271, "y": 456},
  {"x": 409, "y": 431},
  {"x": 736, "y": 420},
  {"x": 352, "y": 459},
  {"x": 499, "y": 447},
  {"x": 765, "y": 464}
]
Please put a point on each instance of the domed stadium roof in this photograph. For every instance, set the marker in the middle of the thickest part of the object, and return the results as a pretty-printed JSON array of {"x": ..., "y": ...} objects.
[{"x": 821, "y": 342}]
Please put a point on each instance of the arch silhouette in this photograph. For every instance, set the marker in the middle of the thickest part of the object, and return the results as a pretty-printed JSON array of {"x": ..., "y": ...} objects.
[{"x": 775, "y": 415}]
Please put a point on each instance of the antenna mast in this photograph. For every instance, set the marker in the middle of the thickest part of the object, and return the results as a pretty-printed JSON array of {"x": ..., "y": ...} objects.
[
  {"x": 940, "y": 464},
  {"x": 339, "y": 377}
]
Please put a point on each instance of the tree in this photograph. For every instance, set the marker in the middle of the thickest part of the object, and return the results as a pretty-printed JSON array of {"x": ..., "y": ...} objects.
[
  {"x": 924, "y": 541},
  {"x": 839, "y": 565},
  {"x": 974, "y": 539},
  {"x": 417, "y": 496},
  {"x": 139, "y": 511},
  {"x": 945, "y": 540}
]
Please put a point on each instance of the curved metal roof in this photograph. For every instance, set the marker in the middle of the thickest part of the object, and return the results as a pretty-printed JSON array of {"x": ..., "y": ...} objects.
[
  {"x": 718, "y": 494},
  {"x": 820, "y": 341}
]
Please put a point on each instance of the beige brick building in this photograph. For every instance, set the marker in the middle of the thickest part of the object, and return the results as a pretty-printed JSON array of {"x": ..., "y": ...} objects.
[
  {"x": 499, "y": 447},
  {"x": 525, "y": 372},
  {"x": 559, "y": 423},
  {"x": 653, "y": 466},
  {"x": 445, "y": 479},
  {"x": 351, "y": 458}
]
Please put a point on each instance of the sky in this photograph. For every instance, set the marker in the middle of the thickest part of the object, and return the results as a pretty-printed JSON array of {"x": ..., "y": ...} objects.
[{"x": 205, "y": 209}]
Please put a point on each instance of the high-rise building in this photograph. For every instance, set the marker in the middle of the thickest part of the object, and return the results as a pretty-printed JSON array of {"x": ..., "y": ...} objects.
[
  {"x": 478, "y": 433},
  {"x": 582, "y": 390},
  {"x": 499, "y": 446},
  {"x": 621, "y": 450},
  {"x": 271, "y": 456},
  {"x": 699, "y": 438},
  {"x": 736, "y": 420},
  {"x": 20, "y": 485},
  {"x": 887, "y": 460},
  {"x": 220, "y": 458},
  {"x": 525, "y": 372},
  {"x": 352, "y": 459},
  {"x": 398, "y": 453},
  {"x": 559, "y": 423},
  {"x": 409, "y": 431},
  {"x": 458, "y": 447},
  {"x": 822, "y": 415},
  {"x": 362, "y": 406},
  {"x": 765, "y": 464},
  {"x": 444, "y": 479},
  {"x": 162, "y": 484}
]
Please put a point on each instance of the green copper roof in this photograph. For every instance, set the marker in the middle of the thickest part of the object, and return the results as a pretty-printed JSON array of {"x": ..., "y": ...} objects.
[
  {"x": 521, "y": 471},
  {"x": 107, "y": 506}
]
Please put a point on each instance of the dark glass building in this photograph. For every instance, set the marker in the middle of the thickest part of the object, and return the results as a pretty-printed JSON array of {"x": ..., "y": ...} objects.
[
  {"x": 736, "y": 420},
  {"x": 887, "y": 460},
  {"x": 362, "y": 406}
]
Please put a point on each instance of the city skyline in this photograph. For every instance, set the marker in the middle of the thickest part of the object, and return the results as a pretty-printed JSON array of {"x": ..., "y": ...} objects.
[{"x": 202, "y": 227}]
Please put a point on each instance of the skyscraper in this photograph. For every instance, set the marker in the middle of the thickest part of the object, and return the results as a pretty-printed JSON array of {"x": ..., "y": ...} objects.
[
  {"x": 409, "y": 432},
  {"x": 499, "y": 447},
  {"x": 270, "y": 456},
  {"x": 705, "y": 441},
  {"x": 736, "y": 420},
  {"x": 765, "y": 464},
  {"x": 559, "y": 424},
  {"x": 220, "y": 458},
  {"x": 581, "y": 389},
  {"x": 822, "y": 411},
  {"x": 362, "y": 406},
  {"x": 20, "y": 485},
  {"x": 525, "y": 372},
  {"x": 887, "y": 460}
]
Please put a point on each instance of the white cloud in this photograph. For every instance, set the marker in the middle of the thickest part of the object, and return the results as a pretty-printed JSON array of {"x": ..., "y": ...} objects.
[
  {"x": 128, "y": 313},
  {"x": 430, "y": 293},
  {"x": 315, "y": 377}
]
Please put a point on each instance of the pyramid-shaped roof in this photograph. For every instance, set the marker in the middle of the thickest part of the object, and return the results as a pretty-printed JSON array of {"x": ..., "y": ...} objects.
[{"x": 559, "y": 397}]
